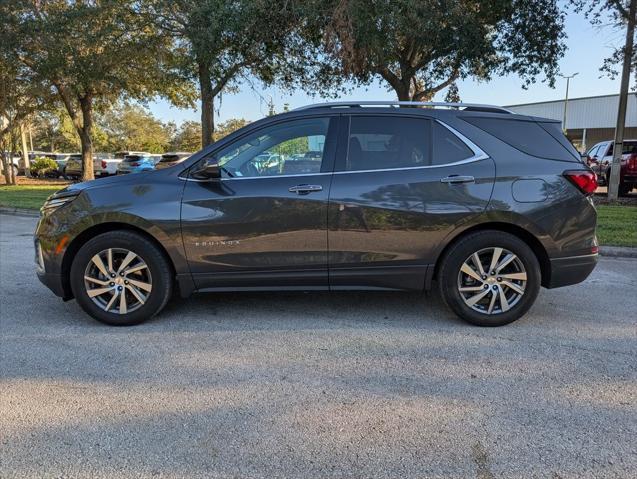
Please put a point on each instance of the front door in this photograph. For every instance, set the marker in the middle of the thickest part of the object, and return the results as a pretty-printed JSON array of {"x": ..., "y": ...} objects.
[
  {"x": 264, "y": 223},
  {"x": 400, "y": 187}
]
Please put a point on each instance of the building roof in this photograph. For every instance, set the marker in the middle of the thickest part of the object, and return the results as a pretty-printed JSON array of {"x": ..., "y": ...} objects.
[{"x": 586, "y": 112}]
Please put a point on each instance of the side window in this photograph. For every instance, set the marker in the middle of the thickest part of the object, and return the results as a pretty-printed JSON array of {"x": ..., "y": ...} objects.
[
  {"x": 291, "y": 148},
  {"x": 448, "y": 148},
  {"x": 377, "y": 143}
]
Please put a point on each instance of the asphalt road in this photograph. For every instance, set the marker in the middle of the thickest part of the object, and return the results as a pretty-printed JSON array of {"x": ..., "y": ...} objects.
[{"x": 317, "y": 385}]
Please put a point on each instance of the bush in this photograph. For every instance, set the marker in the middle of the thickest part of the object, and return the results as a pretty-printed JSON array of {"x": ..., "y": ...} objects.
[{"x": 41, "y": 167}]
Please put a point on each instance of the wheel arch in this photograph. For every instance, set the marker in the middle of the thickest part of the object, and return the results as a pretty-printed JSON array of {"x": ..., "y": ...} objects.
[
  {"x": 529, "y": 238},
  {"x": 97, "y": 229}
]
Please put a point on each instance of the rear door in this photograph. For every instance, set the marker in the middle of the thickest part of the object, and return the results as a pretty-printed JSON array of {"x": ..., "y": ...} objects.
[{"x": 400, "y": 186}]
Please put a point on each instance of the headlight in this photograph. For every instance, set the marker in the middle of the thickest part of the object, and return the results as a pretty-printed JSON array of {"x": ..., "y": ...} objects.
[{"x": 57, "y": 200}]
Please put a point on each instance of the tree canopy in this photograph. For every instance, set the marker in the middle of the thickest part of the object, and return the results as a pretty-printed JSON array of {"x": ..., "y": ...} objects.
[
  {"x": 420, "y": 47},
  {"x": 220, "y": 41},
  {"x": 90, "y": 53}
]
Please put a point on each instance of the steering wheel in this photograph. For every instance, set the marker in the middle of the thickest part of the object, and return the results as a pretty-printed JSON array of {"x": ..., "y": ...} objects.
[{"x": 250, "y": 170}]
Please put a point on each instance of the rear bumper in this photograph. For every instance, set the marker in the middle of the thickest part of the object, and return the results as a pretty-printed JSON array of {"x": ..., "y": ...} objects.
[{"x": 571, "y": 270}]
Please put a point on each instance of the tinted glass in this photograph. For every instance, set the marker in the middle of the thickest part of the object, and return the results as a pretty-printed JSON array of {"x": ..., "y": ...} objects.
[
  {"x": 627, "y": 148},
  {"x": 387, "y": 142},
  {"x": 593, "y": 151},
  {"x": 448, "y": 148},
  {"x": 528, "y": 137},
  {"x": 291, "y": 148}
]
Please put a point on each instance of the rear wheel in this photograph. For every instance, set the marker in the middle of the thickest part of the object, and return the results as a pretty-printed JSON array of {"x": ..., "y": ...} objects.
[
  {"x": 489, "y": 278},
  {"x": 121, "y": 278}
]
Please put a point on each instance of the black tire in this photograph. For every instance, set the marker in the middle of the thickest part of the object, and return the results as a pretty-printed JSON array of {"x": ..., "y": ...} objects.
[
  {"x": 157, "y": 264},
  {"x": 459, "y": 252},
  {"x": 624, "y": 190}
]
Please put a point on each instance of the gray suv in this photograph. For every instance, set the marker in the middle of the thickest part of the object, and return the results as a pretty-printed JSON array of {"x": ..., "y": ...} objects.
[{"x": 486, "y": 204}]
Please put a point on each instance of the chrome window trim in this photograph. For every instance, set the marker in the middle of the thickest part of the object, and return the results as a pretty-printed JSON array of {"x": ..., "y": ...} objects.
[
  {"x": 462, "y": 162},
  {"x": 254, "y": 177}
]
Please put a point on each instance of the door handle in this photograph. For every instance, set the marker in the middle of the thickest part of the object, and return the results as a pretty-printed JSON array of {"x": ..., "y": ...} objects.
[
  {"x": 304, "y": 189},
  {"x": 456, "y": 179}
]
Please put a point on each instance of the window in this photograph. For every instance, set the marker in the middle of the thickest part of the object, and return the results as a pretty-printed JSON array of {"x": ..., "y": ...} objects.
[
  {"x": 593, "y": 151},
  {"x": 291, "y": 148},
  {"x": 627, "y": 148},
  {"x": 543, "y": 140},
  {"x": 377, "y": 143},
  {"x": 448, "y": 148}
]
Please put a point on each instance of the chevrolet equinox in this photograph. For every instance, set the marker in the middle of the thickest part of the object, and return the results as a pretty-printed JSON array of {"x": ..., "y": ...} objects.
[{"x": 486, "y": 204}]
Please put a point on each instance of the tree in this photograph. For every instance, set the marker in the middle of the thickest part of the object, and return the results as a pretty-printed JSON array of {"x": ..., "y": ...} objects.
[
  {"x": 132, "y": 127},
  {"x": 229, "y": 126},
  {"x": 187, "y": 137},
  {"x": 19, "y": 99},
  {"x": 616, "y": 13},
  {"x": 420, "y": 47},
  {"x": 453, "y": 95},
  {"x": 222, "y": 40},
  {"x": 91, "y": 53}
]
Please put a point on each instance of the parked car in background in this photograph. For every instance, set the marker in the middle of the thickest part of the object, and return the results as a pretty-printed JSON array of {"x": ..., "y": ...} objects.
[
  {"x": 486, "y": 204},
  {"x": 109, "y": 164},
  {"x": 172, "y": 158},
  {"x": 137, "y": 163},
  {"x": 600, "y": 157},
  {"x": 74, "y": 168}
]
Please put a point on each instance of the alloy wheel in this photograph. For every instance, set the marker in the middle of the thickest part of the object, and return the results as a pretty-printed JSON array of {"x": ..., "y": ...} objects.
[
  {"x": 492, "y": 280},
  {"x": 118, "y": 280}
]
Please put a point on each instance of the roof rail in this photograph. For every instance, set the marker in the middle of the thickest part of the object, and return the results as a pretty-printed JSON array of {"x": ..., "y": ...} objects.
[{"x": 430, "y": 104}]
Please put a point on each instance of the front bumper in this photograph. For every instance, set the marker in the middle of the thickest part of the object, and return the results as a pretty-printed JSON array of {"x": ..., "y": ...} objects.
[
  {"x": 571, "y": 270},
  {"x": 53, "y": 282}
]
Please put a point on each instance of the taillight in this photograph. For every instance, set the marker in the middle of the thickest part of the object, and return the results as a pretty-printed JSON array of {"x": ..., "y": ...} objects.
[
  {"x": 631, "y": 164},
  {"x": 135, "y": 164},
  {"x": 586, "y": 181},
  {"x": 103, "y": 165}
]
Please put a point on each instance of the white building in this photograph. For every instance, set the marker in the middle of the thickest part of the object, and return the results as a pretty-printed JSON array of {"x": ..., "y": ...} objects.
[{"x": 589, "y": 120}]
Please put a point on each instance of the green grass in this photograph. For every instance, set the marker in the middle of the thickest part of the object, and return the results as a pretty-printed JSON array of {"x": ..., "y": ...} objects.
[
  {"x": 617, "y": 225},
  {"x": 26, "y": 196}
]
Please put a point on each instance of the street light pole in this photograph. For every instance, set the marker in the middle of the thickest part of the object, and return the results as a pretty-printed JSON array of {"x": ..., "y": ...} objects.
[{"x": 568, "y": 80}]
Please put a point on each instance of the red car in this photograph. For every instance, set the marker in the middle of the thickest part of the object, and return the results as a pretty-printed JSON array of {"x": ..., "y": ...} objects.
[{"x": 600, "y": 157}]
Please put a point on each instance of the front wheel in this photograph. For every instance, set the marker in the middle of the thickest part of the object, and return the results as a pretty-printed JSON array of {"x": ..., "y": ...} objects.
[
  {"x": 489, "y": 278},
  {"x": 121, "y": 278}
]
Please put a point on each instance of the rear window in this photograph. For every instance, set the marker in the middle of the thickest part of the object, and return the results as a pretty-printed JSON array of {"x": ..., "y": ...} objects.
[
  {"x": 627, "y": 148},
  {"x": 544, "y": 140},
  {"x": 448, "y": 148}
]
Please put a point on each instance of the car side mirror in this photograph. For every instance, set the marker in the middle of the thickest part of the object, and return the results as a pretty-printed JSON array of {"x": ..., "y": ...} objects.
[{"x": 209, "y": 171}]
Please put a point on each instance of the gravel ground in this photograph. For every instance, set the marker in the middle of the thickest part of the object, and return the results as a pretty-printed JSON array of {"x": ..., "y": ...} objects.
[{"x": 317, "y": 385}]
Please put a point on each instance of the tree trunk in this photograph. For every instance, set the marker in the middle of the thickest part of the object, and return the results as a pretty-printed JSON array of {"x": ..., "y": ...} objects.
[
  {"x": 615, "y": 169},
  {"x": 7, "y": 167},
  {"x": 86, "y": 139},
  {"x": 25, "y": 151},
  {"x": 207, "y": 105}
]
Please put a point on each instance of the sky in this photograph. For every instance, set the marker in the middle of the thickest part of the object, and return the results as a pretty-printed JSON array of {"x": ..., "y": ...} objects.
[{"x": 587, "y": 46}]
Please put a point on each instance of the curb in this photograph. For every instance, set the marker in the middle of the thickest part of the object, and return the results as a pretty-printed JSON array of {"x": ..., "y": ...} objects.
[
  {"x": 609, "y": 251},
  {"x": 19, "y": 212},
  {"x": 618, "y": 251}
]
